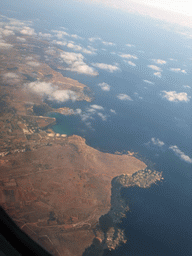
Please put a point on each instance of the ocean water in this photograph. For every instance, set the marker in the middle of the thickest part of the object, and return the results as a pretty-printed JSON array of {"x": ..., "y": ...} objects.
[{"x": 160, "y": 219}]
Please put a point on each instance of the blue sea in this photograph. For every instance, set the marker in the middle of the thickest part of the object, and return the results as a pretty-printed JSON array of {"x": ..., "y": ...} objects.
[{"x": 157, "y": 128}]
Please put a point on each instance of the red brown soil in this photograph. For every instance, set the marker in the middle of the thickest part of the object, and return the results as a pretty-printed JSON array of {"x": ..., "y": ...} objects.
[{"x": 57, "y": 193}]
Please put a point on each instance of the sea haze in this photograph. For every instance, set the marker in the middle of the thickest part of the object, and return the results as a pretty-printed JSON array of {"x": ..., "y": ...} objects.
[{"x": 144, "y": 106}]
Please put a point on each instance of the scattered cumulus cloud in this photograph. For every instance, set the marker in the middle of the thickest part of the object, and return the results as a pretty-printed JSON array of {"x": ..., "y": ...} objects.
[
  {"x": 158, "y": 74},
  {"x": 108, "y": 43},
  {"x": 10, "y": 75},
  {"x": 107, "y": 67},
  {"x": 45, "y": 35},
  {"x": 123, "y": 96},
  {"x": 148, "y": 82},
  {"x": 76, "y": 36},
  {"x": 130, "y": 45},
  {"x": 62, "y": 43},
  {"x": 50, "y": 51},
  {"x": 187, "y": 86},
  {"x": 74, "y": 47},
  {"x": 93, "y": 39},
  {"x": 87, "y": 51},
  {"x": 21, "y": 39},
  {"x": 4, "y": 45},
  {"x": 128, "y": 56},
  {"x": 104, "y": 86},
  {"x": 92, "y": 48},
  {"x": 33, "y": 63},
  {"x": 90, "y": 113},
  {"x": 172, "y": 59},
  {"x": 156, "y": 68},
  {"x": 175, "y": 97},
  {"x": 157, "y": 142},
  {"x": 6, "y": 32},
  {"x": 59, "y": 34},
  {"x": 97, "y": 107},
  {"x": 51, "y": 92},
  {"x": 76, "y": 63},
  {"x": 137, "y": 95},
  {"x": 131, "y": 63},
  {"x": 159, "y": 61},
  {"x": 28, "y": 31},
  {"x": 178, "y": 70},
  {"x": 103, "y": 117},
  {"x": 42, "y": 88},
  {"x": 113, "y": 111},
  {"x": 180, "y": 154}
]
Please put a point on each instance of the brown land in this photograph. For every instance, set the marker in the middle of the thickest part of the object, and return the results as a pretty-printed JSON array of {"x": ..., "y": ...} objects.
[
  {"x": 58, "y": 193},
  {"x": 54, "y": 187}
]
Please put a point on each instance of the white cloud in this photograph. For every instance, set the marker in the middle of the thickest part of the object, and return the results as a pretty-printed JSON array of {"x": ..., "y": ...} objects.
[
  {"x": 41, "y": 88},
  {"x": 78, "y": 111},
  {"x": 108, "y": 43},
  {"x": 130, "y": 45},
  {"x": 107, "y": 67},
  {"x": 123, "y": 96},
  {"x": 63, "y": 95},
  {"x": 97, "y": 107},
  {"x": 131, "y": 63},
  {"x": 93, "y": 39},
  {"x": 137, "y": 95},
  {"x": 87, "y": 51},
  {"x": 155, "y": 67},
  {"x": 33, "y": 63},
  {"x": 177, "y": 70},
  {"x": 148, "y": 82},
  {"x": 89, "y": 114},
  {"x": 187, "y": 86},
  {"x": 92, "y": 48},
  {"x": 176, "y": 97},
  {"x": 6, "y": 32},
  {"x": 63, "y": 43},
  {"x": 4, "y": 45},
  {"x": 10, "y": 75},
  {"x": 103, "y": 117},
  {"x": 159, "y": 61},
  {"x": 172, "y": 59},
  {"x": 17, "y": 23},
  {"x": 181, "y": 154},
  {"x": 128, "y": 56},
  {"x": 28, "y": 31},
  {"x": 157, "y": 142},
  {"x": 46, "y": 35},
  {"x": 76, "y": 36},
  {"x": 76, "y": 63},
  {"x": 104, "y": 86},
  {"x": 113, "y": 111},
  {"x": 158, "y": 74},
  {"x": 60, "y": 34},
  {"x": 74, "y": 47},
  {"x": 50, "y": 51},
  {"x": 21, "y": 39},
  {"x": 51, "y": 92}
]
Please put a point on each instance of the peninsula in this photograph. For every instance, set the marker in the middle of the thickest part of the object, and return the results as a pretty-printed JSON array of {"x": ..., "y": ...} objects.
[{"x": 56, "y": 188}]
